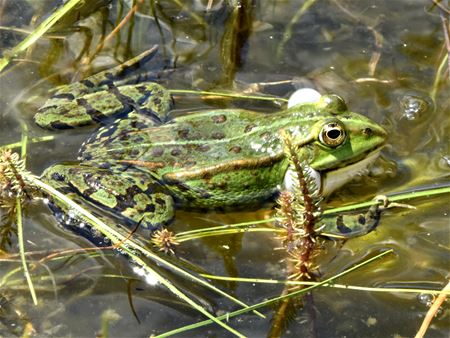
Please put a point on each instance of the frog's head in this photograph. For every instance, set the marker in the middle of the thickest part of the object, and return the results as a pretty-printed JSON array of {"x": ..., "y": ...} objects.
[{"x": 340, "y": 144}]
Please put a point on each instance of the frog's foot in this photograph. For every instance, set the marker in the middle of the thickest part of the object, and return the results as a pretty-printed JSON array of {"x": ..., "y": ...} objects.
[
  {"x": 122, "y": 194},
  {"x": 353, "y": 224}
]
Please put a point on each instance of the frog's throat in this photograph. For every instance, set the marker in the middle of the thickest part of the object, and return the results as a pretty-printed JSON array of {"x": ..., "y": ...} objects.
[{"x": 328, "y": 181}]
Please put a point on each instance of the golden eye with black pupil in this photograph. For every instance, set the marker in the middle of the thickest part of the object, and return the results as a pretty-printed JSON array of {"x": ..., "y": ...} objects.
[{"x": 332, "y": 134}]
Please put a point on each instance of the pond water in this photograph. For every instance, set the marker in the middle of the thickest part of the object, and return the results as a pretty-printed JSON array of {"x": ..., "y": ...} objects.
[{"x": 383, "y": 57}]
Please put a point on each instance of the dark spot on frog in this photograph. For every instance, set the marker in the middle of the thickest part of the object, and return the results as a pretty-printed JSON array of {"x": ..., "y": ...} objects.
[
  {"x": 219, "y": 118},
  {"x": 105, "y": 165},
  {"x": 183, "y": 133},
  {"x": 108, "y": 132},
  {"x": 95, "y": 115},
  {"x": 87, "y": 83},
  {"x": 157, "y": 151},
  {"x": 160, "y": 201},
  {"x": 150, "y": 208},
  {"x": 157, "y": 100},
  {"x": 205, "y": 194},
  {"x": 144, "y": 90},
  {"x": 60, "y": 125},
  {"x": 47, "y": 108},
  {"x": 340, "y": 225},
  {"x": 150, "y": 189},
  {"x": 175, "y": 152},
  {"x": 361, "y": 219},
  {"x": 265, "y": 135},
  {"x": 107, "y": 82},
  {"x": 138, "y": 125},
  {"x": 190, "y": 164},
  {"x": 218, "y": 135},
  {"x": 67, "y": 96},
  {"x": 236, "y": 149},
  {"x": 134, "y": 152},
  {"x": 180, "y": 185},
  {"x": 367, "y": 131},
  {"x": 138, "y": 139},
  {"x": 58, "y": 177},
  {"x": 203, "y": 148},
  {"x": 249, "y": 127},
  {"x": 87, "y": 156},
  {"x": 124, "y": 137},
  {"x": 127, "y": 200},
  {"x": 219, "y": 185}
]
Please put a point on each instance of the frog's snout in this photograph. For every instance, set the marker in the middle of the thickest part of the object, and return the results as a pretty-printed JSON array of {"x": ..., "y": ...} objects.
[{"x": 376, "y": 134}]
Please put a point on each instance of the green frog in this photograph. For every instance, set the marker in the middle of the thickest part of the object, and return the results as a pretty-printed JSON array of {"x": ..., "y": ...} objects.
[{"x": 142, "y": 164}]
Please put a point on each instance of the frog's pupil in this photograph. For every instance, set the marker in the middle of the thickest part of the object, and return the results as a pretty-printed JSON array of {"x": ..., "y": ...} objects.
[{"x": 333, "y": 134}]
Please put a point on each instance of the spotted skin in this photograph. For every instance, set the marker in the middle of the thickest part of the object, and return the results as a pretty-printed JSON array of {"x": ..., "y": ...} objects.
[{"x": 143, "y": 164}]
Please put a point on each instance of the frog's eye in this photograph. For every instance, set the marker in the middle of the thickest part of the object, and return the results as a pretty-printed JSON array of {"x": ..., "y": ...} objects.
[{"x": 332, "y": 134}]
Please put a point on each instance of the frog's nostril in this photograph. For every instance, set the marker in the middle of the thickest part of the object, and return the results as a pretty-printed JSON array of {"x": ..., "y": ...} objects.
[{"x": 367, "y": 131}]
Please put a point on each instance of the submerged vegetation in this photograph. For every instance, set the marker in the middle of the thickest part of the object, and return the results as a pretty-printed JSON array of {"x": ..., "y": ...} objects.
[{"x": 186, "y": 258}]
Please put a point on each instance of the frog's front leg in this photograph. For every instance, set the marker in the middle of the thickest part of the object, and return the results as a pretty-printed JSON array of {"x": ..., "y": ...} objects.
[
  {"x": 350, "y": 224},
  {"x": 128, "y": 195},
  {"x": 353, "y": 223}
]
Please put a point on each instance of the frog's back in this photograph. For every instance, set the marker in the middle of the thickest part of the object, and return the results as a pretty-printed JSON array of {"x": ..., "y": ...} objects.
[
  {"x": 186, "y": 143},
  {"x": 207, "y": 159}
]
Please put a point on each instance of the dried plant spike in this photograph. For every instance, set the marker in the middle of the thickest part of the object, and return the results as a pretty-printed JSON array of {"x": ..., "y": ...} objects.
[{"x": 165, "y": 240}]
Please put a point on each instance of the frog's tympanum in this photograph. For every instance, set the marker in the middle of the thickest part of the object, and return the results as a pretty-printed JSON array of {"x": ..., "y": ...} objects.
[{"x": 142, "y": 164}]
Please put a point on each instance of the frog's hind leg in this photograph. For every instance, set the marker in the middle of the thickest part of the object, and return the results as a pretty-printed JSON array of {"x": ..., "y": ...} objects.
[
  {"x": 101, "y": 80},
  {"x": 128, "y": 195},
  {"x": 150, "y": 99}
]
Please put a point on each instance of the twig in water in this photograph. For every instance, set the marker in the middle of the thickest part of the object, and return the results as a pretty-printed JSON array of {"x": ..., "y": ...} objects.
[{"x": 432, "y": 312}]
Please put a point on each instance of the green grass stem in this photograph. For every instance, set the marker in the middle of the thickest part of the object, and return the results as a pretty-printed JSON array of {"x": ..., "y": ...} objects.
[
  {"x": 32, "y": 140},
  {"x": 129, "y": 245},
  {"x": 438, "y": 77},
  {"x": 26, "y": 273},
  {"x": 331, "y": 285},
  {"x": 40, "y": 30},
  {"x": 228, "y": 229},
  {"x": 233, "y": 95},
  {"x": 275, "y": 299},
  {"x": 288, "y": 32}
]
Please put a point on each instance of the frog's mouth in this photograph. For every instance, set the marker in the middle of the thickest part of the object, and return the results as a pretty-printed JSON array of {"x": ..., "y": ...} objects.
[{"x": 329, "y": 181}]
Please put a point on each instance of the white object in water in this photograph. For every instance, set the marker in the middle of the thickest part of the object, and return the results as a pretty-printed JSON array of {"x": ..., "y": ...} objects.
[{"x": 303, "y": 95}]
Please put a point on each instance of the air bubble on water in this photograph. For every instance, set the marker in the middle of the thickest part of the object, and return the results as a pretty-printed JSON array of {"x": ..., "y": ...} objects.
[{"x": 425, "y": 299}]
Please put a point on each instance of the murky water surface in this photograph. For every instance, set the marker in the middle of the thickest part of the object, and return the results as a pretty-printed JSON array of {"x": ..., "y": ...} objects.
[{"x": 381, "y": 56}]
